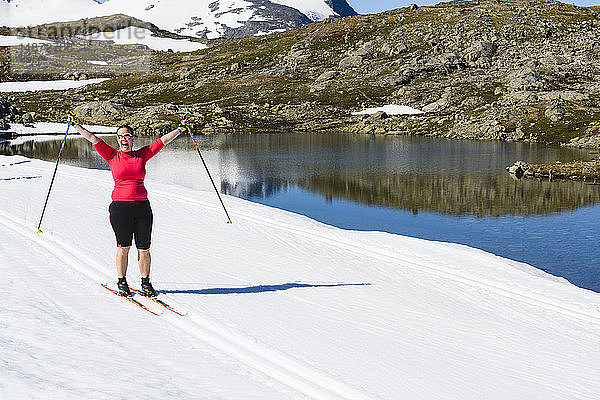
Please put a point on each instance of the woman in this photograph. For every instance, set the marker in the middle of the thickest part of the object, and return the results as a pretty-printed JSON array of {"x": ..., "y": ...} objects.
[{"x": 130, "y": 212}]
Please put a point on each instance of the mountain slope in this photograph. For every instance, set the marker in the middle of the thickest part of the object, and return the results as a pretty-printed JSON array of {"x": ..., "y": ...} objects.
[
  {"x": 512, "y": 70},
  {"x": 205, "y": 19}
]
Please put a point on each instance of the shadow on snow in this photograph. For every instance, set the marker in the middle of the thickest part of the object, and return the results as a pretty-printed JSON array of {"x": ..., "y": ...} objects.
[
  {"x": 19, "y": 177},
  {"x": 257, "y": 289},
  {"x": 15, "y": 163}
]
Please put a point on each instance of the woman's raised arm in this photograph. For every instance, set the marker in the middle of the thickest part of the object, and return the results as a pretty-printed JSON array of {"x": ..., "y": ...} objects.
[
  {"x": 169, "y": 137},
  {"x": 93, "y": 139}
]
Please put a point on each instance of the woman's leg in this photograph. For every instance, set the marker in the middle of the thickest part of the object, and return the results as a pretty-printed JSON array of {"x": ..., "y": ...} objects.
[
  {"x": 122, "y": 261},
  {"x": 121, "y": 221},
  {"x": 144, "y": 262},
  {"x": 143, "y": 234}
]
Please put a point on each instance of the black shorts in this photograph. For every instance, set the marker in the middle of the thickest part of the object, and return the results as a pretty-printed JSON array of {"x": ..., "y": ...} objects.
[{"x": 129, "y": 219}]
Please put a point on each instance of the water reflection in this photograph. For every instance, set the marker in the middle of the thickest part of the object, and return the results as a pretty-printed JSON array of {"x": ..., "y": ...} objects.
[
  {"x": 77, "y": 151},
  {"x": 415, "y": 174},
  {"x": 255, "y": 190},
  {"x": 469, "y": 194}
]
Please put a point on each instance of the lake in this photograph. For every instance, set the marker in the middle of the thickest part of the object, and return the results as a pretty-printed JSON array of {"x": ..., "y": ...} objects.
[{"x": 431, "y": 188}]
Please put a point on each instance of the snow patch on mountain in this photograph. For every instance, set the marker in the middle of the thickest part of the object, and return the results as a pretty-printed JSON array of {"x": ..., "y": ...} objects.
[
  {"x": 136, "y": 35},
  {"x": 21, "y": 41},
  {"x": 314, "y": 9},
  {"x": 34, "y": 86}
]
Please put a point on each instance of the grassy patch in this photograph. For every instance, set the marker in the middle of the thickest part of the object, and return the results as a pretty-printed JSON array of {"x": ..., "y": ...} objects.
[{"x": 545, "y": 130}]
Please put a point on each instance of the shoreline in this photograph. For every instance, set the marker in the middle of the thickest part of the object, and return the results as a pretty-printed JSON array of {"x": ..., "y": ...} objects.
[{"x": 586, "y": 171}]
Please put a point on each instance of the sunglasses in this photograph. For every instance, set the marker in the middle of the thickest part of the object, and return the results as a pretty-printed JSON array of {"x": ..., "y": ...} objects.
[{"x": 125, "y": 136}]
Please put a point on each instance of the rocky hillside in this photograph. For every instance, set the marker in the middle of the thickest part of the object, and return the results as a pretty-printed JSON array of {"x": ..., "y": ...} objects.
[{"x": 507, "y": 69}]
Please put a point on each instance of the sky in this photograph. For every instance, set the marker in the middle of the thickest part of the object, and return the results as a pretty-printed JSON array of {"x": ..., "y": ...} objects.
[{"x": 375, "y": 6}]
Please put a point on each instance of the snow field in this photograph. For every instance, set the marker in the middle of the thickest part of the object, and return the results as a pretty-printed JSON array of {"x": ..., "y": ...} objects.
[
  {"x": 314, "y": 9},
  {"x": 72, "y": 348},
  {"x": 34, "y": 86},
  {"x": 390, "y": 109},
  {"x": 21, "y": 41},
  {"x": 280, "y": 306},
  {"x": 135, "y": 35}
]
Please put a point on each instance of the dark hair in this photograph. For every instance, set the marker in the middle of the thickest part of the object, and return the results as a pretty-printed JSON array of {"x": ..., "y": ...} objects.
[{"x": 130, "y": 129}]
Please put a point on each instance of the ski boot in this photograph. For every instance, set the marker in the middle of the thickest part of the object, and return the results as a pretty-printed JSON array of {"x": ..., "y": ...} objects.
[
  {"x": 123, "y": 288},
  {"x": 147, "y": 289}
]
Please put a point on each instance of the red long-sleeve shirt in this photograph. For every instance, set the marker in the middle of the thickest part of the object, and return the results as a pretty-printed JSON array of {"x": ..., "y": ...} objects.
[{"x": 128, "y": 169}]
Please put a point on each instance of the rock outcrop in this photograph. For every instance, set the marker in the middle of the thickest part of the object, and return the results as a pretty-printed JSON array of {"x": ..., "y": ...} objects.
[{"x": 11, "y": 113}]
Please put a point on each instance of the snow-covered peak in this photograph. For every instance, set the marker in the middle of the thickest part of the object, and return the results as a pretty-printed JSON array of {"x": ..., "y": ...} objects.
[
  {"x": 201, "y": 18},
  {"x": 314, "y": 9}
]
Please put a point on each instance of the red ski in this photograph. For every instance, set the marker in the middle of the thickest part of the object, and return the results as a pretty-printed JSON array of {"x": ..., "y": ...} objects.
[
  {"x": 159, "y": 302},
  {"x": 130, "y": 299}
]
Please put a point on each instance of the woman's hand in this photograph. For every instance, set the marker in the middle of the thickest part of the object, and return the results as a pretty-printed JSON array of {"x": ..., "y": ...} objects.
[
  {"x": 184, "y": 124},
  {"x": 72, "y": 119},
  {"x": 81, "y": 130}
]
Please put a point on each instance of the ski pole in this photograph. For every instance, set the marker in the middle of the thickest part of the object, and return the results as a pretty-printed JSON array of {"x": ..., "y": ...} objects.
[
  {"x": 53, "y": 175},
  {"x": 208, "y": 172}
]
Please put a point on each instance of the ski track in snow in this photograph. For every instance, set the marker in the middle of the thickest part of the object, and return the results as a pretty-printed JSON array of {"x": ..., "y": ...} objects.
[
  {"x": 55, "y": 381},
  {"x": 278, "y": 366},
  {"x": 531, "y": 299}
]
